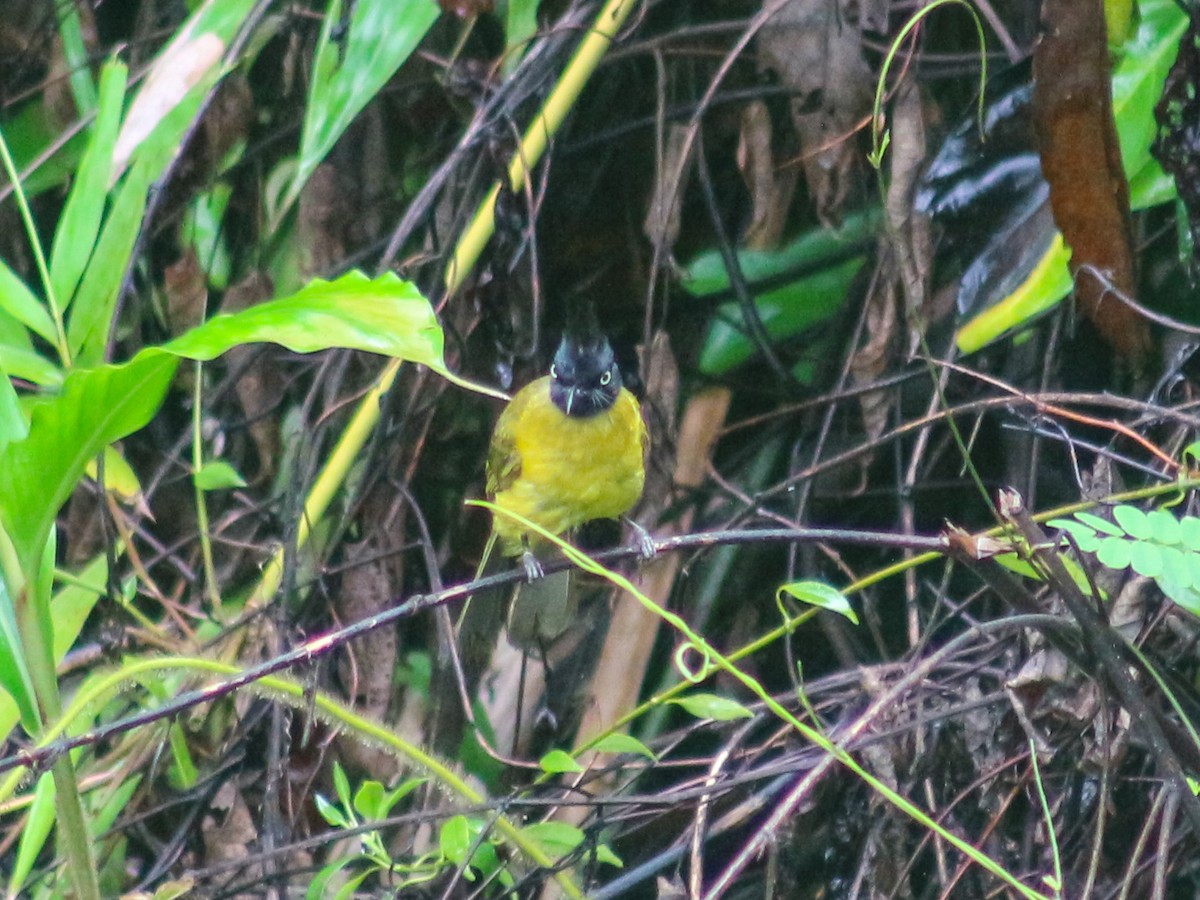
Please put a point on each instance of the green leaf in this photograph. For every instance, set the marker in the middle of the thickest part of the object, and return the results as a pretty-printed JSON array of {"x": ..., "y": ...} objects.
[
  {"x": 1164, "y": 527},
  {"x": 1193, "y": 564},
  {"x": 368, "y": 798},
  {"x": 100, "y": 406},
  {"x": 605, "y": 854},
  {"x": 397, "y": 794},
  {"x": 1181, "y": 594},
  {"x": 556, "y": 762},
  {"x": 1114, "y": 552},
  {"x": 711, "y": 706},
  {"x": 96, "y": 408},
  {"x": 1084, "y": 535},
  {"x": 25, "y": 363},
  {"x": 558, "y": 839},
  {"x": 785, "y": 313},
  {"x": 218, "y": 475},
  {"x": 20, "y": 303},
  {"x": 1174, "y": 566},
  {"x": 341, "y": 784},
  {"x": 1137, "y": 83},
  {"x": 383, "y": 315},
  {"x": 69, "y": 609},
  {"x": 820, "y": 595},
  {"x": 352, "y": 64},
  {"x": 1189, "y": 532},
  {"x": 1146, "y": 558},
  {"x": 13, "y": 425},
  {"x": 34, "y": 833},
  {"x": 623, "y": 743},
  {"x": 330, "y": 813},
  {"x": 1101, "y": 525},
  {"x": 519, "y": 28},
  {"x": 455, "y": 839},
  {"x": 75, "y": 236},
  {"x": 1133, "y": 520},
  {"x": 184, "y": 773},
  {"x": 96, "y": 300}
]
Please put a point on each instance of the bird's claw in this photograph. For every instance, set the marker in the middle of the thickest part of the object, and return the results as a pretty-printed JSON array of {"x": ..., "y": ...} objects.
[
  {"x": 533, "y": 568},
  {"x": 646, "y": 547}
]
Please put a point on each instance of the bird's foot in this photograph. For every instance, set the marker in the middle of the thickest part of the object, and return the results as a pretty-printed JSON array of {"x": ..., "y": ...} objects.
[
  {"x": 533, "y": 568},
  {"x": 646, "y": 547}
]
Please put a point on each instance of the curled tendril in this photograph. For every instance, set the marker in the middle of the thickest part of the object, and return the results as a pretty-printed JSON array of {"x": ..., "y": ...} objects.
[{"x": 695, "y": 676}]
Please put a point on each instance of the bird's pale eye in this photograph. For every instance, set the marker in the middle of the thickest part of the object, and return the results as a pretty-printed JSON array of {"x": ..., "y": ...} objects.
[
  {"x": 606, "y": 378},
  {"x": 553, "y": 370}
]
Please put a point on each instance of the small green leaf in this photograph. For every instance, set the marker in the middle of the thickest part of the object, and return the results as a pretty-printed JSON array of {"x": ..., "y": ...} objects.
[
  {"x": 455, "y": 839},
  {"x": 20, "y": 303},
  {"x": 1085, "y": 536},
  {"x": 1146, "y": 558},
  {"x": 604, "y": 854},
  {"x": 341, "y": 784},
  {"x": 34, "y": 832},
  {"x": 1102, "y": 525},
  {"x": 558, "y": 839},
  {"x": 1174, "y": 565},
  {"x": 623, "y": 743},
  {"x": 367, "y": 799},
  {"x": 1133, "y": 520},
  {"x": 1182, "y": 595},
  {"x": 330, "y": 813},
  {"x": 1114, "y": 552},
  {"x": 1189, "y": 532},
  {"x": 557, "y": 762},
  {"x": 815, "y": 593},
  {"x": 218, "y": 475},
  {"x": 1164, "y": 527},
  {"x": 13, "y": 425},
  {"x": 712, "y": 706},
  {"x": 397, "y": 794}
]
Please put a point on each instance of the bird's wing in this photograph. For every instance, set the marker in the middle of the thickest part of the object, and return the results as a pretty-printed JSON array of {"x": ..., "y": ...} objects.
[{"x": 504, "y": 459}]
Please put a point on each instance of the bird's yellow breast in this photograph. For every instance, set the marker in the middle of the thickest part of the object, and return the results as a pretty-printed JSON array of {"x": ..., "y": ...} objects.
[{"x": 561, "y": 471}]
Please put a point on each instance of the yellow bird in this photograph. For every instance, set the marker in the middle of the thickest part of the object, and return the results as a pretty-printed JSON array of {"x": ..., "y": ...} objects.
[{"x": 569, "y": 448}]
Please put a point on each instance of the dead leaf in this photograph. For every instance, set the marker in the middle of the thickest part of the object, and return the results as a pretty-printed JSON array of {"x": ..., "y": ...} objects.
[
  {"x": 815, "y": 47},
  {"x": 661, "y": 225},
  {"x": 180, "y": 67},
  {"x": 1081, "y": 159},
  {"x": 186, "y": 291},
  {"x": 771, "y": 189},
  {"x": 260, "y": 385}
]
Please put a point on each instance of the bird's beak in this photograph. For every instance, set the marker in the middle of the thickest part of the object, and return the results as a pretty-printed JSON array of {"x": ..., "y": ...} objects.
[{"x": 570, "y": 399}]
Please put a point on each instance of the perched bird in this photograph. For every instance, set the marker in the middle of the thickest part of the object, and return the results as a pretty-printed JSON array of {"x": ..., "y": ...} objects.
[{"x": 569, "y": 448}]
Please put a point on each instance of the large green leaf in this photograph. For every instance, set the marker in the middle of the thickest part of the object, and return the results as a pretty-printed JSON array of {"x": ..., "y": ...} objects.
[
  {"x": 1137, "y": 84},
  {"x": 821, "y": 264},
  {"x": 99, "y": 406},
  {"x": 350, "y": 68},
  {"x": 383, "y": 315}
]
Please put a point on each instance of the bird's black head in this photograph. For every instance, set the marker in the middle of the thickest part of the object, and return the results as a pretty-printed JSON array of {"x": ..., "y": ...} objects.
[{"x": 584, "y": 378}]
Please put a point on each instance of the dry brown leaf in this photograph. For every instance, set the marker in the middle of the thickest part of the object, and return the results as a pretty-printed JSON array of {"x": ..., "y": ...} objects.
[
  {"x": 186, "y": 290},
  {"x": 260, "y": 385},
  {"x": 1081, "y": 159},
  {"x": 771, "y": 189},
  {"x": 661, "y": 225},
  {"x": 185, "y": 63},
  {"x": 815, "y": 47}
]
